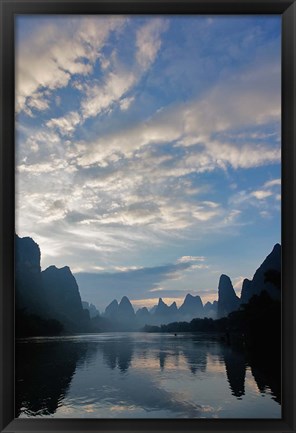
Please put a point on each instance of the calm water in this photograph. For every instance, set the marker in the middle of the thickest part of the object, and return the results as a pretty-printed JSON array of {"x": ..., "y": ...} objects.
[{"x": 138, "y": 375}]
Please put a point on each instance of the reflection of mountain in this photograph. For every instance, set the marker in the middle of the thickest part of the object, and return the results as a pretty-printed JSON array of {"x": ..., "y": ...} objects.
[
  {"x": 43, "y": 374},
  {"x": 162, "y": 355},
  {"x": 235, "y": 365},
  {"x": 265, "y": 368},
  {"x": 118, "y": 354},
  {"x": 141, "y": 389},
  {"x": 195, "y": 354},
  {"x": 266, "y": 371},
  {"x": 46, "y": 383}
]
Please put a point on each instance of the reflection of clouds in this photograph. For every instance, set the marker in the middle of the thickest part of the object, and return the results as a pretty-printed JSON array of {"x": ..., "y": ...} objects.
[
  {"x": 214, "y": 365},
  {"x": 250, "y": 383},
  {"x": 153, "y": 363},
  {"x": 144, "y": 361},
  {"x": 188, "y": 376}
]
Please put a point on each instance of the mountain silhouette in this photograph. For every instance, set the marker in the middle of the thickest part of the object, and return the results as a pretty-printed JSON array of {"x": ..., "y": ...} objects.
[
  {"x": 210, "y": 309},
  {"x": 227, "y": 299},
  {"x": 173, "y": 308},
  {"x": 93, "y": 311},
  {"x": 191, "y": 308},
  {"x": 47, "y": 295},
  {"x": 162, "y": 308},
  {"x": 112, "y": 309},
  {"x": 29, "y": 289},
  {"x": 63, "y": 297},
  {"x": 123, "y": 313},
  {"x": 259, "y": 281},
  {"x": 51, "y": 297},
  {"x": 142, "y": 312},
  {"x": 122, "y": 316},
  {"x": 125, "y": 309}
]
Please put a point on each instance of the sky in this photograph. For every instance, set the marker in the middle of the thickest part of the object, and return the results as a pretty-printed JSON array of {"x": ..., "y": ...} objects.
[{"x": 148, "y": 150}]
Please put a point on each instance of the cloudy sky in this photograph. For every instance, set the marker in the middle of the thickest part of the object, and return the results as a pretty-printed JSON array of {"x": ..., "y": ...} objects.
[{"x": 148, "y": 150}]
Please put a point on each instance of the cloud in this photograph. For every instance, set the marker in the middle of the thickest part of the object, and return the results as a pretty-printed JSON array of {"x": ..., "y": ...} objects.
[
  {"x": 135, "y": 283},
  {"x": 272, "y": 183},
  {"x": 121, "y": 78},
  {"x": 127, "y": 197},
  {"x": 100, "y": 98},
  {"x": 148, "y": 41},
  {"x": 188, "y": 259},
  {"x": 67, "y": 124},
  {"x": 261, "y": 194},
  {"x": 265, "y": 199},
  {"x": 131, "y": 147},
  {"x": 246, "y": 156},
  {"x": 138, "y": 283},
  {"x": 126, "y": 102},
  {"x": 48, "y": 59},
  {"x": 38, "y": 101},
  {"x": 242, "y": 100},
  {"x": 269, "y": 189}
]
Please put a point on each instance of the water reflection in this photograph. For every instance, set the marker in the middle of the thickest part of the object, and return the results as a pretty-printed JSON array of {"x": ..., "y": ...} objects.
[
  {"x": 118, "y": 353},
  {"x": 162, "y": 357},
  {"x": 235, "y": 365},
  {"x": 195, "y": 354},
  {"x": 50, "y": 372},
  {"x": 44, "y": 373},
  {"x": 266, "y": 371}
]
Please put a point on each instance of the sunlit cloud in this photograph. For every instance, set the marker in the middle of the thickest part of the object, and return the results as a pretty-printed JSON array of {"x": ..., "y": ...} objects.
[
  {"x": 186, "y": 259},
  {"x": 66, "y": 125},
  {"x": 121, "y": 79},
  {"x": 273, "y": 182},
  {"x": 261, "y": 194},
  {"x": 52, "y": 55}
]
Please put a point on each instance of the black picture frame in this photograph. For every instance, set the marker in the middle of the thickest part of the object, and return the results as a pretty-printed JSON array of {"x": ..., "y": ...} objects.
[{"x": 9, "y": 9}]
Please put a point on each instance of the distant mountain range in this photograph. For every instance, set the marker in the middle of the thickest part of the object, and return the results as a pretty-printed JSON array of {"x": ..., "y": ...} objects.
[
  {"x": 161, "y": 313},
  {"x": 54, "y": 294},
  {"x": 92, "y": 309},
  {"x": 192, "y": 306}
]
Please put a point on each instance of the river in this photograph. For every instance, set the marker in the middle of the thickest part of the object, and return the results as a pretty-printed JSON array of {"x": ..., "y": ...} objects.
[{"x": 142, "y": 375}]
